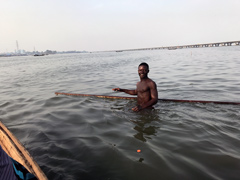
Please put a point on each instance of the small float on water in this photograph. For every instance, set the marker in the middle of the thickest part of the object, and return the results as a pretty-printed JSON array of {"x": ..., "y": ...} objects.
[{"x": 13, "y": 147}]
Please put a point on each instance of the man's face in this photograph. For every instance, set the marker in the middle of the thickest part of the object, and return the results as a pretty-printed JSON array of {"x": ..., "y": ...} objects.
[{"x": 142, "y": 71}]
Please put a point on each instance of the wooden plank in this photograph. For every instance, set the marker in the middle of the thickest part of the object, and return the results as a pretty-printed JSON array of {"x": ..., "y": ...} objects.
[
  {"x": 98, "y": 96},
  {"x": 170, "y": 100},
  {"x": 16, "y": 150}
]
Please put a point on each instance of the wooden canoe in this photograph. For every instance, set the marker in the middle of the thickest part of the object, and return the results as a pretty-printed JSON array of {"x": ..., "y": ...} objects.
[{"x": 13, "y": 147}]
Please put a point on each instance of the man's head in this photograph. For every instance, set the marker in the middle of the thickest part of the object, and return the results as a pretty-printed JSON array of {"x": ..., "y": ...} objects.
[
  {"x": 143, "y": 70},
  {"x": 144, "y": 64}
]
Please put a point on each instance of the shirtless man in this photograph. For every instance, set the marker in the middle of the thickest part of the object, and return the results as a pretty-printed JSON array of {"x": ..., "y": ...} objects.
[{"x": 146, "y": 90}]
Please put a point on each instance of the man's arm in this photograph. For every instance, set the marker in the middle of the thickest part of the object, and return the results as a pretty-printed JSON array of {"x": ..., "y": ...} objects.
[
  {"x": 154, "y": 98},
  {"x": 131, "y": 92}
]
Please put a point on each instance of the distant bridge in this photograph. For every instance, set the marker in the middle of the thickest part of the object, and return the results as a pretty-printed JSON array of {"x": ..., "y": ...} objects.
[{"x": 218, "y": 44}]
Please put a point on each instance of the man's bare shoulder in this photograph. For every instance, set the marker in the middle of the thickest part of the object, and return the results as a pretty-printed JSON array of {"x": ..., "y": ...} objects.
[{"x": 151, "y": 82}]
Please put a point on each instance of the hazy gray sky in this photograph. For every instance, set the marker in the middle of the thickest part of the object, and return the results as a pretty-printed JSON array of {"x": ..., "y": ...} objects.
[{"x": 96, "y": 25}]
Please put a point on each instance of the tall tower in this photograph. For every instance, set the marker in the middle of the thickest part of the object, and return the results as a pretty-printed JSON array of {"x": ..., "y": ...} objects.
[{"x": 17, "y": 47}]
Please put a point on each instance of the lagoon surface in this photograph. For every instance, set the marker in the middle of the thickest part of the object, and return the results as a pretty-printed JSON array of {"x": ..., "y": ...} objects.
[{"x": 91, "y": 138}]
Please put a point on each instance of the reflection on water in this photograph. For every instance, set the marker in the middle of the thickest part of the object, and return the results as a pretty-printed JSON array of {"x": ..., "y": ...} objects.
[{"x": 144, "y": 126}]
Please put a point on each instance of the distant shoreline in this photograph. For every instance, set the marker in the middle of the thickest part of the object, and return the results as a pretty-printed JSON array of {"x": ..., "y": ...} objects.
[{"x": 205, "y": 45}]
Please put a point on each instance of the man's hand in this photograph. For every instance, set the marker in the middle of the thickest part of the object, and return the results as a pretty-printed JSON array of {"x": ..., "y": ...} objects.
[
  {"x": 137, "y": 108},
  {"x": 116, "y": 89}
]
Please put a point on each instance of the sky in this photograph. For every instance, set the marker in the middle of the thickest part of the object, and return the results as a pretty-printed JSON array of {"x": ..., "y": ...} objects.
[{"x": 101, "y": 25}]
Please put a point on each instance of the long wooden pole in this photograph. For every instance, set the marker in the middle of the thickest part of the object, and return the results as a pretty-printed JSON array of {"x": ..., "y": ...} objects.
[{"x": 172, "y": 100}]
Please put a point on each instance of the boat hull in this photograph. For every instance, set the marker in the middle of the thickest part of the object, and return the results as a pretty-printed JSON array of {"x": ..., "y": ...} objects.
[{"x": 13, "y": 147}]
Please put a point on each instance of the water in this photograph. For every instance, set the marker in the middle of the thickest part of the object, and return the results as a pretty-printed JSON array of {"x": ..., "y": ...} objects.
[{"x": 90, "y": 138}]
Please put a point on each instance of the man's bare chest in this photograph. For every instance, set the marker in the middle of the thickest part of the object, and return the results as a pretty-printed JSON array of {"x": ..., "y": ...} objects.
[{"x": 142, "y": 88}]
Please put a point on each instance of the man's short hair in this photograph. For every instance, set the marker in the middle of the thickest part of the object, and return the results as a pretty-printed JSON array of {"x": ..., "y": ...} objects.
[{"x": 144, "y": 64}]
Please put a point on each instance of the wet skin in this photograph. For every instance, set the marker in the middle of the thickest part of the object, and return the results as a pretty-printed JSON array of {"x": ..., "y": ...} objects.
[{"x": 146, "y": 90}]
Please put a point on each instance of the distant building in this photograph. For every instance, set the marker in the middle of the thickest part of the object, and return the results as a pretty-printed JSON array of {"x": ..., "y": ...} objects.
[{"x": 50, "y": 52}]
